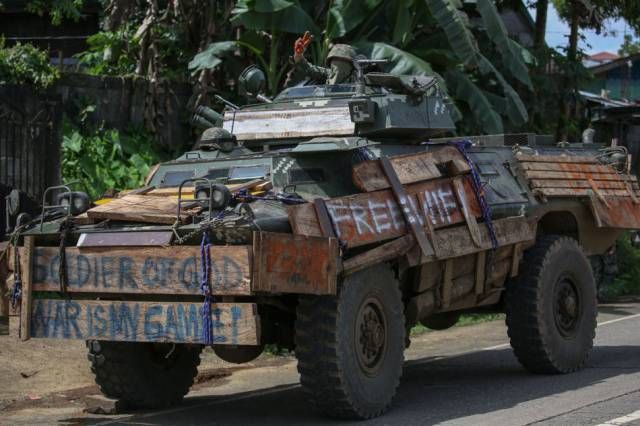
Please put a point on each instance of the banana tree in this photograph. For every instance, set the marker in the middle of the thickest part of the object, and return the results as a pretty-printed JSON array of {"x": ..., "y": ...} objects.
[{"x": 428, "y": 37}]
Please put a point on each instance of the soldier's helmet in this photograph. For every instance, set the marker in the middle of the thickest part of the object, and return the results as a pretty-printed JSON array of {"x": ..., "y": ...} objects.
[
  {"x": 342, "y": 51},
  {"x": 217, "y": 138}
]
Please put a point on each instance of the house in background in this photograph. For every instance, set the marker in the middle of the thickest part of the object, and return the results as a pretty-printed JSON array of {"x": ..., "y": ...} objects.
[
  {"x": 63, "y": 41},
  {"x": 617, "y": 79},
  {"x": 599, "y": 59}
]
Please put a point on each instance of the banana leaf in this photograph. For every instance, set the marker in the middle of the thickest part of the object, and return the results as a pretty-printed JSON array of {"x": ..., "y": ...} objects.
[
  {"x": 512, "y": 53},
  {"x": 346, "y": 15},
  {"x": 288, "y": 19},
  {"x": 212, "y": 56},
  {"x": 465, "y": 90},
  {"x": 451, "y": 21}
]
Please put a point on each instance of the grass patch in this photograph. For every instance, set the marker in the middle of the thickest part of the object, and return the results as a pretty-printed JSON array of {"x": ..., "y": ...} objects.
[{"x": 465, "y": 320}]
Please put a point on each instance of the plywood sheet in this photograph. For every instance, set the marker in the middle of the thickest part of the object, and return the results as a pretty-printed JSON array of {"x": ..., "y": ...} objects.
[
  {"x": 621, "y": 213},
  {"x": 141, "y": 208},
  {"x": 233, "y": 323}
]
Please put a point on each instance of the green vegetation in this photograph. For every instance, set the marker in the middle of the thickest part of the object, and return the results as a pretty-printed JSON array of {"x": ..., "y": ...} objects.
[
  {"x": 25, "y": 64},
  {"x": 627, "y": 281},
  {"x": 465, "y": 320},
  {"x": 107, "y": 159}
]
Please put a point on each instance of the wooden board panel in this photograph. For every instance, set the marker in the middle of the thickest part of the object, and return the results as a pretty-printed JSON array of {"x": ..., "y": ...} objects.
[
  {"x": 285, "y": 263},
  {"x": 557, "y": 183},
  {"x": 372, "y": 217},
  {"x": 620, "y": 213},
  {"x": 369, "y": 176},
  {"x": 140, "y": 208},
  {"x": 457, "y": 241},
  {"x": 582, "y": 192},
  {"x": 4, "y": 292},
  {"x": 27, "y": 287},
  {"x": 143, "y": 270},
  {"x": 569, "y": 167},
  {"x": 187, "y": 191},
  {"x": 275, "y": 124},
  {"x": 541, "y": 174},
  {"x": 558, "y": 158},
  {"x": 233, "y": 323}
]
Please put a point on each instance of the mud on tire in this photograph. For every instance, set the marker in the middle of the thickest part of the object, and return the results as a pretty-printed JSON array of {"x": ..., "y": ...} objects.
[
  {"x": 144, "y": 375},
  {"x": 551, "y": 307},
  {"x": 350, "y": 347}
]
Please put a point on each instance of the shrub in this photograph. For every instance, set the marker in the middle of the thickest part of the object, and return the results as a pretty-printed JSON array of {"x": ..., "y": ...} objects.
[{"x": 26, "y": 64}]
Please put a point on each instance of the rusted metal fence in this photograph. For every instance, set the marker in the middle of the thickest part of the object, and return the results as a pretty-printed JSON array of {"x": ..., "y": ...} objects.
[{"x": 30, "y": 141}]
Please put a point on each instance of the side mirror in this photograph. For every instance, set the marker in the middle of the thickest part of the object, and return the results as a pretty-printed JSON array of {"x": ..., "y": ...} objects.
[{"x": 252, "y": 81}]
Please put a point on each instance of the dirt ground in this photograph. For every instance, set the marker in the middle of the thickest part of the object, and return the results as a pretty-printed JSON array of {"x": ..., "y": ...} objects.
[{"x": 49, "y": 372}]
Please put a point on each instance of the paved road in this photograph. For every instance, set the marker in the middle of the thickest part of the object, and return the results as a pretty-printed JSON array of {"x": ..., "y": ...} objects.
[{"x": 464, "y": 376}]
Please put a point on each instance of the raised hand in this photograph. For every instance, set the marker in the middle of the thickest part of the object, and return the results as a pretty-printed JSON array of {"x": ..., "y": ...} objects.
[{"x": 301, "y": 44}]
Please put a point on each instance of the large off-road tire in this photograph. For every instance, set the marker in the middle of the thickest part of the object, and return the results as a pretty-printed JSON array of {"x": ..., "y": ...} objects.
[
  {"x": 144, "y": 375},
  {"x": 551, "y": 307},
  {"x": 350, "y": 347}
]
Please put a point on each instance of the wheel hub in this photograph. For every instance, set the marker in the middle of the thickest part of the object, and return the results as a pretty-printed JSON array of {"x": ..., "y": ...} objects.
[
  {"x": 567, "y": 308},
  {"x": 371, "y": 336}
]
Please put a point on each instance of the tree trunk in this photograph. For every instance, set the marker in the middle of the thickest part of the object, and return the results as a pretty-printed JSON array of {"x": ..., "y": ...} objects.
[
  {"x": 541, "y": 24},
  {"x": 570, "y": 76}
]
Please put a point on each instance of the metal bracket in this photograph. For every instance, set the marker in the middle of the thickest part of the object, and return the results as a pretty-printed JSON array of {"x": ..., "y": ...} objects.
[
  {"x": 181, "y": 201},
  {"x": 326, "y": 225},
  {"x": 408, "y": 209}
]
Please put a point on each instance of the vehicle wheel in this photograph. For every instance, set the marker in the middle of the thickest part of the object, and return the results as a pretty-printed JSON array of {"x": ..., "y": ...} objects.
[
  {"x": 144, "y": 375},
  {"x": 441, "y": 321},
  {"x": 551, "y": 307},
  {"x": 350, "y": 347}
]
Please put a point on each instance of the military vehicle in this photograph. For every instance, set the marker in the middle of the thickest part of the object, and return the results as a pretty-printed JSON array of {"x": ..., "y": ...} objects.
[{"x": 329, "y": 220}]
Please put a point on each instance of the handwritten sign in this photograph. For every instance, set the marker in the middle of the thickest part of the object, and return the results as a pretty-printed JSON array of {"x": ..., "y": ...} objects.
[
  {"x": 376, "y": 216},
  {"x": 148, "y": 270},
  {"x": 233, "y": 323}
]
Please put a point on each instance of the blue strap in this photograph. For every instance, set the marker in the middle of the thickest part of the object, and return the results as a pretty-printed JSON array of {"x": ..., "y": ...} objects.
[
  {"x": 16, "y": 293},
  {"x": 477, "y": 186},
  {"x": 205, "y": 286}
]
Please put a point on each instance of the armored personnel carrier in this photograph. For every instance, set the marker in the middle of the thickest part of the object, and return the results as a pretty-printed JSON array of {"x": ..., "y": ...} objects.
[{"x": 328, "y": 220}]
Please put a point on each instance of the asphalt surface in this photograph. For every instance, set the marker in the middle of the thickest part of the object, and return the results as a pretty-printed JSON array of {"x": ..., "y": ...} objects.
[{"x": 463, "y": 376}]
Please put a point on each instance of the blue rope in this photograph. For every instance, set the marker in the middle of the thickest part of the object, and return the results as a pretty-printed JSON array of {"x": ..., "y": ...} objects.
[
  {"x": 462, "y": 146},
  {"x": 205, "y": 286},
  {"x": 16, "y": 293}
]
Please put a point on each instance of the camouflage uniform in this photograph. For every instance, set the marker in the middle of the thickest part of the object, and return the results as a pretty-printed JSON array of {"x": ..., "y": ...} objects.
[{"x": 341, "y": 70}]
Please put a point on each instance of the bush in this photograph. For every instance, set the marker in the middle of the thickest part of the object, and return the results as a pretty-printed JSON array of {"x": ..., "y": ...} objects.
[
  {"x": 26, "y": 64},
  {"x": 107, "y": 159},
  {"x": 627, "y": 281}
]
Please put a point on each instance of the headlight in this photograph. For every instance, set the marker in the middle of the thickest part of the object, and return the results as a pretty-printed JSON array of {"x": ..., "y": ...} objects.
[
  {"x": 79, "y": 201},
  {"x": 220, "y": 196}
]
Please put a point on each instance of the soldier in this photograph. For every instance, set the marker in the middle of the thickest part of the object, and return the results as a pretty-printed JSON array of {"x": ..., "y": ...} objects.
[{"x": 340, "y": 62}]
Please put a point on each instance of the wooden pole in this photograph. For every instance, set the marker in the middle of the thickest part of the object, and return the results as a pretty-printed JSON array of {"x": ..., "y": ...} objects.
[{"x": 27, "y": 281}]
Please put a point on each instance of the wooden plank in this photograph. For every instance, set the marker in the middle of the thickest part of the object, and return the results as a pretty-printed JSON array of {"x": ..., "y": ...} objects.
[
  {"x": 4, "y": 290},
  {"x": 141, "y": 208},
  {"x": 456, "y": 241},
  {"x": 143, "y": 270},
  {"x": 285, "y": 263},
  {"x": 27, "y": 287},
  {"x": 416, "y": 167},
  {"x": 470, "y": 219},
  {"x": 557, "y": 183},
  {"x": 385, "y": 252},
  {"x": 447, "y": 283},
  {"x": 326, "y": 226},
  {"x": 558, "y": 158},
  {"x": 290, "y": 123},
  {"x": 538, "y": 174},
  {"x": 233, "y": 323},
  {"x": 622, "y": 213},
  {"x": 481, "y": 267},
  {"x": 409, "y": 210},
  {"x": 374, "y": 217},
  {"x": 569, "y": 167},
  {"x": 126, "y": 238},
  {"x": 581, "y": 192},
  {"x": 515, "y": 259}
]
